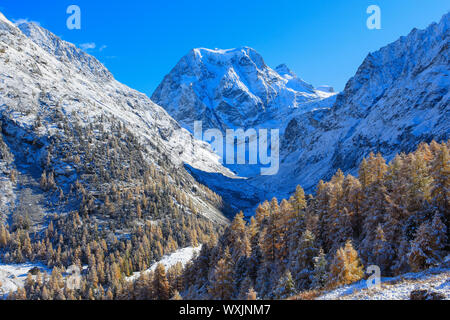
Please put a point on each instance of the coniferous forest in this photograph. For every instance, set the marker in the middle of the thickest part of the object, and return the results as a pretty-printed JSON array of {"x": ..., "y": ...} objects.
[
  {"x": 233, "y": 180},
  {"x": 393, "y": 215}
]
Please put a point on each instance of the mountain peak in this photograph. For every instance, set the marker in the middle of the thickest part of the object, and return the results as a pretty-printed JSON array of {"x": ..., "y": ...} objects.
[
  {"x": 243, "y": 55},
  {"x": 293, "y": 82},
  {"x": 228, "y": 88},
  {"x": 283, "y": 69},
  {"x": 64, "y": 51}
]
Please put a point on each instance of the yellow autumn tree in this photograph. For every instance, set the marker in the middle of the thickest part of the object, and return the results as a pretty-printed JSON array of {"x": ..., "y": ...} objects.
[{"x": 346, "y": 267}]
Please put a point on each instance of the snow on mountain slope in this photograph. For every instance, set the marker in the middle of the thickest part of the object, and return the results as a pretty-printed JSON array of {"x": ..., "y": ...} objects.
[
  {"x": 232, "y": 89},
  {"x": 398, "y": 98},
  {"x": 64, "y": 51},
  {"x": 135, "y": 108},
  {"x": 42, "y": 75}
]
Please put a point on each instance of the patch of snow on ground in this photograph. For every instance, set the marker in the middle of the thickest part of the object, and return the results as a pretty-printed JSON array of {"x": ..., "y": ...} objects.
[
  {"x": 13, "y": 276},
  {"x": 182, "y": 255},
  {"x": 398, "y": 288}
]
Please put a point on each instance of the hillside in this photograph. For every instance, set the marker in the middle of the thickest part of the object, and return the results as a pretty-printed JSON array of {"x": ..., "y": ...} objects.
[
  {"x": 92, "y": 172},
  {"x": 393, "y": 218},
  {"x": 53, "y": 95},
  {"x": 435, "y": 281},
  {"x": 398, "y": 98}
]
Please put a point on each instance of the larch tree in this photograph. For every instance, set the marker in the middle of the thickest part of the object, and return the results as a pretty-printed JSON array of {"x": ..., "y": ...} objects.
[
  {"x": 161, "y": 286},
  {"x": 251, "y": 295},
  {"x": 221, "y": 285},
  {"x": 346, "y": 267},
  {"x": 298, "y": 200},
  {"x": 239, "y": 238}
]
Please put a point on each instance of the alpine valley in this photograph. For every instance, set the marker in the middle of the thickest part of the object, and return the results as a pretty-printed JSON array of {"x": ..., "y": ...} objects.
[{"x": 101, "y": 178}]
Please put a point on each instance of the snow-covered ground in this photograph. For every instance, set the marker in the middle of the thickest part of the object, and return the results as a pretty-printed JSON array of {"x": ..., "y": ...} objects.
[
  {"x": 13, "y": 276},
  {"x": 399, "y": 288},
  {"x": 182, "y": 255}
]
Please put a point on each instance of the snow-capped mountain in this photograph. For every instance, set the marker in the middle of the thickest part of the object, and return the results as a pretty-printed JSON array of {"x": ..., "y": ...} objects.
[
  {"x": 235, "y": 89},
  {"x": 43, "y": 78},
  {"x": 397, "y": 99},
  {"x": 232, "y": 89}
]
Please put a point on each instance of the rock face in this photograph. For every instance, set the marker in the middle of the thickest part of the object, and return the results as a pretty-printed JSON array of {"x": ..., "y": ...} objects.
[
  {"x": 398, "y": 98},
  {"x": 44, "y": 79},
  {"x": 232, "y": 89}
]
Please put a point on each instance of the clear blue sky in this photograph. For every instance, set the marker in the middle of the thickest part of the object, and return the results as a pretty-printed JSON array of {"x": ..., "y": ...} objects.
[{"x": 323, "y": 41}]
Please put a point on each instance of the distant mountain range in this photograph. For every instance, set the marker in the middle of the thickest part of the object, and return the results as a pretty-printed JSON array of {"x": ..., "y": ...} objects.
[{"x": 398, "y": 98}]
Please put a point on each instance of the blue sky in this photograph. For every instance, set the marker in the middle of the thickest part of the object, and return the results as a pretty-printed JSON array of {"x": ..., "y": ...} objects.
[{"x": 323, "y": 41}]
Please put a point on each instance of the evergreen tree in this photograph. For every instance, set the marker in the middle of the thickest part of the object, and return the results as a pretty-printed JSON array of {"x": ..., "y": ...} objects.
[
  {"x": 426, "y": 248},
  {"x": 383, "y": 254},
  {"x": 302, "y": 260},
  {"x": 320, "y": 278},
  {"x": 285, "y": 287}
]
